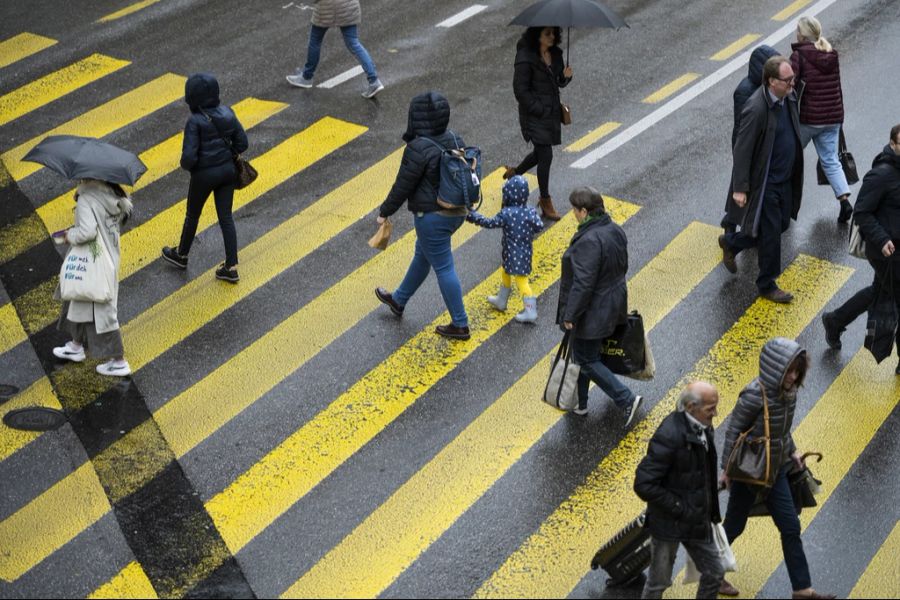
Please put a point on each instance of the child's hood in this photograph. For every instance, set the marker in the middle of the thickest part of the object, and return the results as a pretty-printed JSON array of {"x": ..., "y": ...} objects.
[{"x": 515, "y": 191}]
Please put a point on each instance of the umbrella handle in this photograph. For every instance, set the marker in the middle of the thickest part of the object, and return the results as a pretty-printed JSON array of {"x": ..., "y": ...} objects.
[{"x": 568, "y": 40}]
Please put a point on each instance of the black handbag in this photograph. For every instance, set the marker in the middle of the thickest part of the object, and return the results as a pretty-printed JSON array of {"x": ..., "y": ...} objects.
[
  {"x": 881, "y": 327},
  {"x": 624, "y": 352},
  {"x": 804, "y": 487},
  {"x": 246, "y": 173},
  {"x": 848, "y": 164}
]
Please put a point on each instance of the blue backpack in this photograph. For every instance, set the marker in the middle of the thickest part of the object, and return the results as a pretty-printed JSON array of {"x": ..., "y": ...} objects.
[{"x": 460, "y": 175}]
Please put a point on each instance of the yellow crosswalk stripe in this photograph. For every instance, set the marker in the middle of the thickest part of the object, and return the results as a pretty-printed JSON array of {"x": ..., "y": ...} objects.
[
  {"x": 51, "y": 87},
  {"x": 142, "y": 245},
  {"x": 828, "y": 428},
  {"x": 28, "y": 536},
  {"x": 102, "y": 120},
  {"x": 162, "y": 159},
  {"x": 22, "y": 46},
  {"x": 40, "y": 393},
  {"x": 130, "y": 582},
  {"x": 670, "y": 88},
  {"x": 556, "y": 557},
  {"x": 735, "y": 47},
  {"x": 403, "y": 527},
  {"x": 127, "y": 11},
  {"x": 882, "y": 577},
  {"x": 11, "y": 332},
  {"x": 790, "y": 9},
  {"x": 281, "y": 478},
  {"x": 593, "y": 136}
]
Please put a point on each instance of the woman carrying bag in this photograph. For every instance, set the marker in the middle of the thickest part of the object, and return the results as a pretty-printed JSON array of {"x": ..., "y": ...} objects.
[
  {"x": 765, "y": 411},
  {"x": 101, "y": 209}
]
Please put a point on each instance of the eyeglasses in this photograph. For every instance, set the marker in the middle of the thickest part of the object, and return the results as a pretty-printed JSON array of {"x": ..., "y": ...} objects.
[{"x": 788, "y": 80}]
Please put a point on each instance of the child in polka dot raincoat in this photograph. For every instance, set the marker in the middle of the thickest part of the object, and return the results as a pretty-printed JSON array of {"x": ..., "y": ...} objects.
[{"x": 520, "y": 223}]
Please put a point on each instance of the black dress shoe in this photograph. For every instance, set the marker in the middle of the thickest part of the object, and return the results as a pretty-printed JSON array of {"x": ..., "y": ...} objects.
[
  {"x": 778, "y": 295},
  {"x": 832, "y": 331},
  {"x": 385, "y": 296},
  {"x": 728, "y": 256},
  {"x": 453, "y": 332}
]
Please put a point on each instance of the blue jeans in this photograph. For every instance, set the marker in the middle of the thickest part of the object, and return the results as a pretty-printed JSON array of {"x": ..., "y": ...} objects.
[
  {"x": 587, "y": 356},
  {"x": 826, "y": 138},
  {"x": 351, "y": 40},
  {"x": 784, "y": 513},
  {"x": 433, "y": 251}
]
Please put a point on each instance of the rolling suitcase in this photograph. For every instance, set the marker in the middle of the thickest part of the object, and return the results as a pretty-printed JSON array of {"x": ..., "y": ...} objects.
[{"x": 626, "y": 555}]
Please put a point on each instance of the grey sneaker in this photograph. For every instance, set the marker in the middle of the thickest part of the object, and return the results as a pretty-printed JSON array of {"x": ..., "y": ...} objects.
[
  {"x": 632, "y": 411},
  {"x": 374, "y": 87},
  {"x": 298, "y": 80}
]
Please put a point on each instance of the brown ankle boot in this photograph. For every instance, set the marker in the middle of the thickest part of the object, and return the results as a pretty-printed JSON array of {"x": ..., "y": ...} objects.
[
  {"x": 509, "y": 173},
  {"x": 547, "y": 210}
]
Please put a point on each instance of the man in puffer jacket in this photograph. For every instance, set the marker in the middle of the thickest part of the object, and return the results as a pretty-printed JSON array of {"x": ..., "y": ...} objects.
[{"x": 345, "y": 14}]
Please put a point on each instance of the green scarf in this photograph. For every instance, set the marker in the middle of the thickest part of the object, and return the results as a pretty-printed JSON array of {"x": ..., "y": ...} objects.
[{"x": 590, "y": 219}]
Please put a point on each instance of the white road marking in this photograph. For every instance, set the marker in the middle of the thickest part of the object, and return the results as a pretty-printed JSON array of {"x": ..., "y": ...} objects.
[
  {"x": 462, "y": 16},
  {"x": 678, "y": 101},
  {"x": 339, "y": 79}
]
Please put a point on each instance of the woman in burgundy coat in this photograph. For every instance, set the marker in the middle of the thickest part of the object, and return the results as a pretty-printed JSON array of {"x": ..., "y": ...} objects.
[{"x": 816, "y": 64}]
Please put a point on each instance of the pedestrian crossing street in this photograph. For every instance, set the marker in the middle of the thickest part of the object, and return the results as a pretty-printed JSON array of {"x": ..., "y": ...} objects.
[{"x": 440, "y": 494}]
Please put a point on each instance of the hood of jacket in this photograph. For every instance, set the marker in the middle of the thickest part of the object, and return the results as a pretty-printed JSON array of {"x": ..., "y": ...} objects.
[
  {"x": 515, "y": 191},
  {"x": 774, "y": 360},
  {"x": 825, "y": 62},
  {"x": 102, "y": 194},
  {"x": 201, "y": 91},
  {"x": 757, "y": 62},
  {"x": 429, "y": 115},
  {"x": 887, "y": 157}
]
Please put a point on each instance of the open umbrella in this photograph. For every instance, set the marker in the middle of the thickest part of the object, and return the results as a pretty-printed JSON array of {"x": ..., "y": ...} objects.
[
  {"x": 77, "y": 157},
  {"x": 568, "y": 14}
]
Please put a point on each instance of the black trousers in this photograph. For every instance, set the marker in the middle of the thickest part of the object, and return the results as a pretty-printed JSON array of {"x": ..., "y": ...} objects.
[
  {"x": 219, "y": 181},
  {"x": 859, "y": 303},
  {"x": 541, "y": 157}
]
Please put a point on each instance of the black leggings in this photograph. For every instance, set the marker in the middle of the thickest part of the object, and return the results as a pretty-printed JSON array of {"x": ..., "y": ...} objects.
[
  {"x": 219, "y": 181},
  {"x": 542, "y": 157}
]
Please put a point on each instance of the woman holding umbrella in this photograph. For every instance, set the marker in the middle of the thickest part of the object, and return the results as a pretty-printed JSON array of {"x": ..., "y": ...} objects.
[{"x": 539, "y": 74}]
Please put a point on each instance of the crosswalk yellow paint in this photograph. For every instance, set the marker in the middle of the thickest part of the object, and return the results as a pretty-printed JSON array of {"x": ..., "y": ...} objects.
[
  {"x": 556, "y": 557},
  {"x": 403, "y": 527},
  {"x": 11, "y": 332},
  {"x": 133, "y": 8},
  {"x": 51, "y": 87},
  {"x": 130, "y": 582},
  {"x": 22, "y": 46},
  {"x": 592, "y": 137},
  {"x": 670, "y": 88},
  {"x": 791, "y": 9},
  {"x": 841, "y": 436},
  {"x": 735, "y": 47},
  {"x": 102, "y": 120},
  {"x": 281, "y": 478},
  {"x": 882, "y": 577},
  {"x": 142, "y": 245},
  {"x": 40, "y": 393}
]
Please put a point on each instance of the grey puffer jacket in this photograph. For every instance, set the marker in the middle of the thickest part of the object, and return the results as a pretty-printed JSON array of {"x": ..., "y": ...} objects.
[
  {"x": 774, "y": 360},
  {"x": 336, "y": 13}
]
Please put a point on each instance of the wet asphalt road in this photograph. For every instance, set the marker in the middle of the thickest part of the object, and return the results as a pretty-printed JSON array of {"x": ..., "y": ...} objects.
[{"x": 676, "y": 171}]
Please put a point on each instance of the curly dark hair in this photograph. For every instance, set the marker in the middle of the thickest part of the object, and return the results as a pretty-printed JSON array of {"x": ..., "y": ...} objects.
[{"x": 532, "y": 37}]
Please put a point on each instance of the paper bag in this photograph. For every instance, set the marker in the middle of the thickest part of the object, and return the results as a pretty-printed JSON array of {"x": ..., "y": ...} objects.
[{"x": 382, "y": 236}]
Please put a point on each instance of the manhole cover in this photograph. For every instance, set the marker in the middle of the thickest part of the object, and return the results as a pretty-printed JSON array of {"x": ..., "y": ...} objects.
[
  {"x": 7, "y": 391},
  {"x": 35, "y": 418}
]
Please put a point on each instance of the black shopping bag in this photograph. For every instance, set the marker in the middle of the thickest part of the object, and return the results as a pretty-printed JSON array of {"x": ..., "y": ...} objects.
[
  {"x": 881, "y": 328},
  {"x": 623, "y": 352}
]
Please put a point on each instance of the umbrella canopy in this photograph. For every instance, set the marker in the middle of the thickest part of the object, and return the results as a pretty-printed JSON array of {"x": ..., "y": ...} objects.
[
  {"x": 78, "y": 157},
  {"x": 569, "y": 13}
]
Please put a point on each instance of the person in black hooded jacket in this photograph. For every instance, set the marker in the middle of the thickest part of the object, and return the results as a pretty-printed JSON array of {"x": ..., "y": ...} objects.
[
  {"x": 539, "y": 74},
  {"x": 212, "y": 136},
  {"x": 417, "y": 183},
  {"x": 877, "y": 212}
]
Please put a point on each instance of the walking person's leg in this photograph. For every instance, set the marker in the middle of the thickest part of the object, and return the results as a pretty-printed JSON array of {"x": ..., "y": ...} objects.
[
  {"x": 544, "y": 155},
  {"x": 659, "y": 575},
  {"x": 587, "y": 356},
  {"x": 351, "y": 40},
  {"x": 198, "y": 191},
  {"x": 740, "y": 499},
  {"x": 529, "y": 162},
  {"x": 224, "y": 196},
  {"x": 313, "y": 50},
  {"x": 706, "y": 557},
  {"x": 415, "y": 274},
  {"x": 836, "y": 322},
  {"x": 827, "y": 142},
  {"x": 769, "y": 239},
  {"x": 784, "y": 514},
  {"x": 438, "y": 250}
]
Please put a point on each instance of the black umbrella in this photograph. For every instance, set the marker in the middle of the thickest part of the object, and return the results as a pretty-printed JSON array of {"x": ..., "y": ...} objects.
[
  {"x": 78, "y": 157},
  {"x": 568, "y": 14}
]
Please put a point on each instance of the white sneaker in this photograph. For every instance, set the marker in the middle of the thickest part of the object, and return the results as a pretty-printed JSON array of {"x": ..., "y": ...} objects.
[
  {"x": 299, "y": 81},
  {"x": 580, "y": 411},
  {"x": 635, "y": 405},
  {"x": 114, "y": 370},
  {"x": 68, "y": 352}
]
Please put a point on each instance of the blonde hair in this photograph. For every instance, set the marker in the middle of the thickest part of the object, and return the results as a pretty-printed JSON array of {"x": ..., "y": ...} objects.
[{"x": 811, "y": 30}]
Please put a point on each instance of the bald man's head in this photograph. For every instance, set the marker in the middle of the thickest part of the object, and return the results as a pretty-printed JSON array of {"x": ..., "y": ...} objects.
[{"x": 700, "y": 400}]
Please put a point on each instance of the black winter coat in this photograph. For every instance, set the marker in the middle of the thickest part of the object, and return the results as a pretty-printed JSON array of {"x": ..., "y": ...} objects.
[
  {"x": 592, "y": 290},
  {"x": 536, "y": 87},
  {"x": 750, "y": 84},
  {"x": 419, "y": 176},
  {"x": 677, "y": 479},
  {"x": 203, "y": 147},
  {"x": 822, "y": 102},
  {"x": 877, "y": 210}
]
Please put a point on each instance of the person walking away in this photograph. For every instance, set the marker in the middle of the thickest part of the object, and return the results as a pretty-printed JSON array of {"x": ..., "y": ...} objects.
[
  {"x": 678, "y": 481},
  {"x": 101, "y": 208},
  {"x": 416, "y": 185},
  {"x": 877, "y": 212},
  {"x": 345, "y": 14},
  {"x": 539, "y": 74},
  {"x": 767, "y": 177},
  {"x": 821, "y": 104},
  {"x": 520, "y": 223},
  {"x": 212, "y": 135},
  {"x": 593, "y": 297},
  {"x": 782, "y": 368},
  {"x": 742, "y": 92}
]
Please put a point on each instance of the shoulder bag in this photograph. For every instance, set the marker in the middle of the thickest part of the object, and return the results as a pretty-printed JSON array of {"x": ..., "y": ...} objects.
[
  {"x": 848, "y": 164},
  {"x": 857, "y": 246},
  {"x": 88, "y": 273},
  {"x": 246, "y": 174},
  {"x": 750, "y": 460},
  {"x": 560, "y": 391}
]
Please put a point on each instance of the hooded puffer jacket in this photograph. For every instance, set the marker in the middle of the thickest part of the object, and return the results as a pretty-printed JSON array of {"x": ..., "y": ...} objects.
[
  {"x": 877, "y": 210},
  {"x": 750, "y": 83},
  {"x": 420, "y": 175},
  {"x": 822, "y": 101},
  {"x": 336, "y": 13},
  {"x": 203, "y": 147},
  {"x": 536, "y": 87},
  {"x": 774, "y": 360}
]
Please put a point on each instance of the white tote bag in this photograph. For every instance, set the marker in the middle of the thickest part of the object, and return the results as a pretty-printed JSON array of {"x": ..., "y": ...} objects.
[
  {"x": 88, "y": 273},
  {"x": 560, "y": 391},
  {"x": 857, "y": 246},
  {"x": 726, "y": 556}
]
